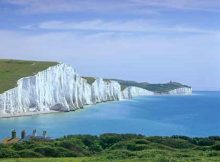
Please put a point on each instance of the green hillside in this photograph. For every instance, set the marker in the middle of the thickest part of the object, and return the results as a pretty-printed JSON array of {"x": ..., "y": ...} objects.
[
  {"x": 115, "y": 148},
  {"x": 158, "y": 88},
  {"x": 12, "y": 70}
]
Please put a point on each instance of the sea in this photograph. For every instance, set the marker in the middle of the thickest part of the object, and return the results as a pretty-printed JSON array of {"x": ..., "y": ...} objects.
[{"x": 196, "y": 115}]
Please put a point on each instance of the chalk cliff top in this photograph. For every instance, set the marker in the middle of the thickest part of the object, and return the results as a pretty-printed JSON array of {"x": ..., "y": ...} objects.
[{"x": 12, "y": 70}]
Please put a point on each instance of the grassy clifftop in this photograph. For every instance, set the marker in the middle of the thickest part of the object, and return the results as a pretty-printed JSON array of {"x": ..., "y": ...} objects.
[
  {"x": 12, "y": 70},
  {"x": 158, "y": 88}
]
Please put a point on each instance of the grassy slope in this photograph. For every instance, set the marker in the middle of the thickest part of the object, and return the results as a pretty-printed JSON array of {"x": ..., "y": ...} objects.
[
  {"x": 90, "y": 80},
  {"x": 115, "y": 147},
  {"x": 12, "y": 70},
  {"x": 158, "y": 88}
]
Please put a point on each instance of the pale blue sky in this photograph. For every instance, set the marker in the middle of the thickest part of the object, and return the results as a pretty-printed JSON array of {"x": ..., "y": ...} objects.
[{"x": 143, "y": 40}]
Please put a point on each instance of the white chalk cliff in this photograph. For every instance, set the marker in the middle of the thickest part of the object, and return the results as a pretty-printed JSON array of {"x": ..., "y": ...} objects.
[
  {"x": 130, "y": 92},
  {"x": 60, "y": 88},
  {"x": 181, "y": 91}
]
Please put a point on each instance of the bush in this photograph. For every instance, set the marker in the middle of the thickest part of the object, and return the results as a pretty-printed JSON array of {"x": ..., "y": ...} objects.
[
  {"x": 216, "y": 147},
  {"x": 29, "y": 154},
  {"x": 203, "y": 141},
  {"x": 8, "y": 153},
  {"x": 46, "y": 151},
  {"x": 107, "y": 140},
  {"x": 217, "y": 138},
  {"x": 62, "y": 152},
  {"x": 120, "y": 154},
  {"x": 94, "y": 148},
  {"x": 171, "y": 142}
]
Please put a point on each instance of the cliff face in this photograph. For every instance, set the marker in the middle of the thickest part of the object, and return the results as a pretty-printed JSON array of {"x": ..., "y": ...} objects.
[
  {"x": 130, "y": 92},
  {"x": 181, "y": 91},
  {"x": 60, "y": 88}
]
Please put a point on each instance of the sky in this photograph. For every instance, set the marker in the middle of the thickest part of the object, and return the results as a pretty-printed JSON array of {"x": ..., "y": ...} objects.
[{"x": 143, "y": 40}]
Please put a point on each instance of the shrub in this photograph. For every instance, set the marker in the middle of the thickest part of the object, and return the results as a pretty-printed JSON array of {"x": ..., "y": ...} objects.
[
  {"x": 46, "y": 151},
  {"x": 216, "y": 147},
  {"x": 29, "y": 154},
  {"x": 120, "y": 154},
  {"x": 203, "y": 141},
  {"x": 8, "y": 153}
]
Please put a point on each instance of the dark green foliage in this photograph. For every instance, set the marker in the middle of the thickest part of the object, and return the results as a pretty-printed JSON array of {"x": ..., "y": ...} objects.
[
  {"x": 90, "y": 80},
  {"x": 29, "y": 153},
  {"x": 107, "y": 140},
  {"x": 172, "y": 142},
  {"x": 216, "y": 138},
  {"x": 216, "y": 147},
  {"x": 203, "y": 141},
  {"x": 117, "y": 147},
  {"x": 8, "y": 153}
]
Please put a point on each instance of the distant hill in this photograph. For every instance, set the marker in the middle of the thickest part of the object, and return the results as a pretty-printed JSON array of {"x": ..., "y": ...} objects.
[
  {"x": 12, "y": 70},
  {"x": 158, "y": 88}
]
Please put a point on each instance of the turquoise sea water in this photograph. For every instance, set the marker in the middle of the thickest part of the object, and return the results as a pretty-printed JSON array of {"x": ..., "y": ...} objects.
[{"x": 195, "y": 115}]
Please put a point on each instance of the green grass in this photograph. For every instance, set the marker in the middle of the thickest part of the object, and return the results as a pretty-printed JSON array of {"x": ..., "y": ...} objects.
[
  {"x": 90, "y": 80},
  {"x": 12, "y": 70}
]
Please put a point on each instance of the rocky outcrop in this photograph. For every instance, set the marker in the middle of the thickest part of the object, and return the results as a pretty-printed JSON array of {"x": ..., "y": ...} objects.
[
  {"x": 60, "y": 88},
  {"x": 181, "y": 91}
]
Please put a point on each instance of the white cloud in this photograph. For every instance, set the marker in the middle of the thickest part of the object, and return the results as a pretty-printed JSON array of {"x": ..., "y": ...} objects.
[{"x": 132, "y": 26}]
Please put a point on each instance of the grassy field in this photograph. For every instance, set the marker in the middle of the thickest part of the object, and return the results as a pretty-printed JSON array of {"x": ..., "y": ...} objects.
[
  {"x": 114, "y": 148},
  {"x": 13, "y": 70}
]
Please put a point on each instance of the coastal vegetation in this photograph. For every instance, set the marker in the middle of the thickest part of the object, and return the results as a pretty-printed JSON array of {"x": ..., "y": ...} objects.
[
  {"x": 114, "y": 147},
  {"x": 12, "y": 70},
  {"x": 158, "y": 88}
]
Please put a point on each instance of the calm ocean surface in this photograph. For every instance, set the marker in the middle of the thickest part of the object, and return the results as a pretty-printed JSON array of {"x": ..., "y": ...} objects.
[{"x": 196, "y": 115}]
